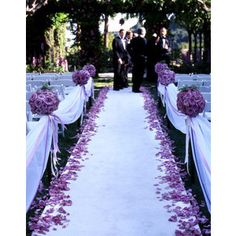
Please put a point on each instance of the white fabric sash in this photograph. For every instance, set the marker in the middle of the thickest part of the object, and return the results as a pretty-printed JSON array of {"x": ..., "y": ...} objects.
[
  {"x": 198, "y": 132},
  {"x": 43, "y": 137}
]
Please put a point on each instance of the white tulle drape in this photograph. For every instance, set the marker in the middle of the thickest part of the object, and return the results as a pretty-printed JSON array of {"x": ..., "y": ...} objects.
[
  {"x": 169, "y": 95},
  {"x": 198, "y": 130},
  {"x": 43, "y": 137}
]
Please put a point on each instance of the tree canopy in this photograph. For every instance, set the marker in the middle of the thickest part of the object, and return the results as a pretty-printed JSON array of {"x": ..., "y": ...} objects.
[{"x": 193, "y": 15}]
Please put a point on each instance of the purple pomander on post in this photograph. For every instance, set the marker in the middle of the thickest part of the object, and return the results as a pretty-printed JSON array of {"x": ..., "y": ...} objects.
[
  {"x": 91, "y": 69},
  {"x": 44, "y": 102},
  {"x": 190, "y": 101},
  {"x": 166, "y": 77},
  {"x": 161, "y": 66},
  {"x": 81, "y": 77}
]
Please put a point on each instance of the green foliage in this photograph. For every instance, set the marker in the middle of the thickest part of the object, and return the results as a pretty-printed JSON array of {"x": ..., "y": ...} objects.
[
  {"x": 73, "y": 57},
  {"x": 48, "y": 67},
  {"x": 30, "y": 68},
  {"x": 193, "y": 15},
  {"x": 55, "y": 36},
  {"x": 110, "y": 39},
  {"x": 106, "y": 60}
]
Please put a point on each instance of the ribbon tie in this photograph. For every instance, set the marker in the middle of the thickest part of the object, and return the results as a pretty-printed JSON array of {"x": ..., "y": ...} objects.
[
  {"x": 188, "y": 127},
  {"x": 54, "y": 120}
]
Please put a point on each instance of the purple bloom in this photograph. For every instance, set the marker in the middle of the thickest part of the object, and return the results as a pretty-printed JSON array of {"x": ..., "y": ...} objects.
[
  {"x": 160, "y": 66},
  {"x": 190, "y": 102},
  {"x": 81, "y": 77},
  {"x": 91, "y": 69},
  {"x": 43, "y": 102},
  {"x": 166, "y": 77}
]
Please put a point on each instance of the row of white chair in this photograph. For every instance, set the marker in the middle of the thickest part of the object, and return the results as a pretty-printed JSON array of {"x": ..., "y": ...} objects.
[
  {"x": 48, "y": 76},
  {"x": 52, "y": 82},
  {"x": 207, "y": 111},
  {"x": 198, "y": 83},
  {"x": 59, "y": 89},
  {"x": 193, "y": 77},
  {"x": 207, "y": 96}
]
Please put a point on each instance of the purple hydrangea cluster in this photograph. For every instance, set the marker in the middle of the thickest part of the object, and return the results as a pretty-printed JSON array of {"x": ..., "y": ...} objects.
[
  {"x": 161, "y": 66},
  {"x": 190, "y": 102},
  {"x": 91, "y": 69},
  {"x": 166, "y": 77},
  {"x": 81, "y": 77},
  {"x": 43, "y": 102}
]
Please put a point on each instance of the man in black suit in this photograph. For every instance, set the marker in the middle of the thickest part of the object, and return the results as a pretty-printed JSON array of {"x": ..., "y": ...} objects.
[
  {"x": 152, "y": 56},
  {"x": 138, "y": 46},
  {"x": 119, "y": 60},
  {"x": 163, "y": 46}
]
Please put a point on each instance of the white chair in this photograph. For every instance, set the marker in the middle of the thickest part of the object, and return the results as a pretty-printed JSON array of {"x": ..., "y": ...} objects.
[
  {"x": 28, "y": 87},
  {"x": 179, "y": 77},
  {"x": 183, "y": 83},
  {"x": 205, "y": 89},
  {"x": 207, "y": 83},
  {"x": 204, "y": 76},
  {"x": 207, "y": 111},
  {"x": 60, "y": 90},
  {"x": 28, "y": 95},
  {"x": 207, "y": 96},
  {"x": 38, "y": 83},
  {"x": 66, "y": 76}
]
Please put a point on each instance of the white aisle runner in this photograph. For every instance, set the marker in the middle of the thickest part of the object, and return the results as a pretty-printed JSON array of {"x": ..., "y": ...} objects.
[{"x": 114, "y": 194}]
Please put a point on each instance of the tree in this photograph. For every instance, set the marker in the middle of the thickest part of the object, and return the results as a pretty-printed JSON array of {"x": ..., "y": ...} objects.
[
  {"x": 33, "y": 5},
  {"x": 193, "y": 15}
]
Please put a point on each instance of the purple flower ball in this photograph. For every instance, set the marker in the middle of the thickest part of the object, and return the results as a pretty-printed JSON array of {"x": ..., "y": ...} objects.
[
  {"x": 166, "y": 77},
  {"x": 43, "y": 102},
  {"x": 81, "y": 77},
  {"x": 160, "y": 66},
  {"x": 190, "y": 102},
  {"x": 91, "y": 69}
]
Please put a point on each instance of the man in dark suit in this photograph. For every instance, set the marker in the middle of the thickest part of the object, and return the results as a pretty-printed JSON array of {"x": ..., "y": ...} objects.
[
  {"x": 163, "y": 46},
  {"x": 152, "y": 56},
  {"x": 138, "y": 46},
  {"x": 119, "y": 60}
]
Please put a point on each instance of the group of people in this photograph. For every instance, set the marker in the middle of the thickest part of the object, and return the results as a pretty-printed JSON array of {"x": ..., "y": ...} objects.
[{"x": 134, "y": 52}]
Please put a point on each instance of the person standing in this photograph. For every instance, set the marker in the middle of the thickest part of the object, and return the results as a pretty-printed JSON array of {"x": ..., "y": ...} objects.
[
  {"x": 119, "y": 60},
  {"x": 128, "y": 65},
  {"x": 152, "y": 55},
  {"x": 138, "y": 45},
  {"x": 163, "y": 45}
]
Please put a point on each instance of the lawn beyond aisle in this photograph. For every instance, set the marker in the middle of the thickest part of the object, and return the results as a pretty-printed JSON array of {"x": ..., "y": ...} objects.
[{"x": 114, "y": 194}]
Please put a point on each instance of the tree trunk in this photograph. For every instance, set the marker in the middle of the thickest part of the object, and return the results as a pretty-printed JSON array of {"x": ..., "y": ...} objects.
[
  {"x": 200, "y": 46},
  {"x": 189, "y": 45},
  {"x": 49, "y": 38},
  {"x": 89, "y": 52},
  {"x": 195, "y": 48},
  {"x": 106, "y": 31},
  {"x": 207, "y": 43}
]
